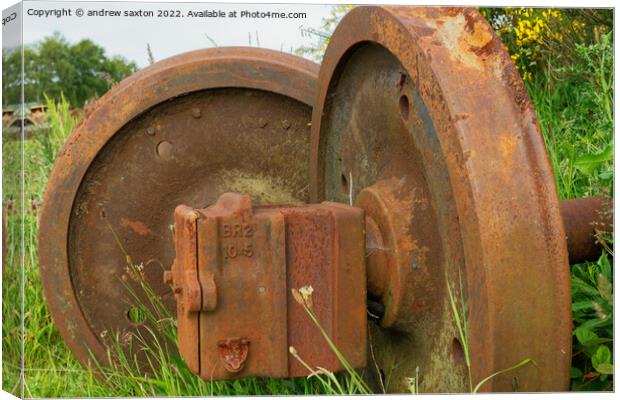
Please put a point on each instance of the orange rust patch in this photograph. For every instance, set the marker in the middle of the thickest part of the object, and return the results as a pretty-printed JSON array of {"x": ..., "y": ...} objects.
[
  {"x": 464, "y": 37},
  {"x": 479, "y": 37},
  {"x": 508, "y": 144},
  {"x": 137, "y": 226}
]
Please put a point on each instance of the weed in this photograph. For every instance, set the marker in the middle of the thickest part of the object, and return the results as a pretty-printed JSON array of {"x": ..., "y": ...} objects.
[
  {"x": 303, "y": 296},
  {"x": 460, "y": 318},
  {"x": 593, "y": 315},
  {"x": 61, "y": 122}
]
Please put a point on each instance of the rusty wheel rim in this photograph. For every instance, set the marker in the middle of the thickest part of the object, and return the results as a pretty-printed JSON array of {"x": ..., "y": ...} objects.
[
  {"x": 183, "y": 130},
  {"x": 425, "y": 107}
]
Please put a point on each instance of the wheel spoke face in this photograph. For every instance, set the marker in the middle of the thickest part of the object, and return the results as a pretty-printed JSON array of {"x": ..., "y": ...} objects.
[
  {"x": 378, "y": 134},
  {"x": 421, "y": 120},
  {"x": 170, "y": 156},
  {"x": 183, "y": 131}
]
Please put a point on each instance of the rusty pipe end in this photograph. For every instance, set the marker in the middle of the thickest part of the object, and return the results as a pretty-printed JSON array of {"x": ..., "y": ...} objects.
[{"x": 584, "y": 221}]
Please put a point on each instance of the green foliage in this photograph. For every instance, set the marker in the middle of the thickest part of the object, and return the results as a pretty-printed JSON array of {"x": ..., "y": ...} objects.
[
  {"x": 589, "y": 163},
  {"x": 574, "y": 104},
  {"x": 323, "y": 34},
  {"x": 592, "y": 292},
  {"x": 61, "y": 123},
  {"x": 54, "y": 66},
  {"x": 170, "y": 375},
  {"x": 44, "y": 349},
  {"x": 543, "y": 38}
]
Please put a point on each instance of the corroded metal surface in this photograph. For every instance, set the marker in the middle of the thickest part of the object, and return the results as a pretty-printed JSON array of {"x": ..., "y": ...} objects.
[
  {"x": 583, "y": 220},
  {"x": 252, "y": 257},
  {"x": 181, "y": 131},
  {"x": 427, "y": 102}
]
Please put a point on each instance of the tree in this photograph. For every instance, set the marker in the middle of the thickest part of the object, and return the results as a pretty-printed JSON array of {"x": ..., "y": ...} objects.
[
  {"x": 323, "y": 34},
  {"x": 12, "y": 75},
  {"x": 80, "y": 71}
]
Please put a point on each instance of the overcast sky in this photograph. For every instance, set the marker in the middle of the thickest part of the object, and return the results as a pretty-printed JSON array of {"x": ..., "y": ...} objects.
[{"x": 128, "y": 36}]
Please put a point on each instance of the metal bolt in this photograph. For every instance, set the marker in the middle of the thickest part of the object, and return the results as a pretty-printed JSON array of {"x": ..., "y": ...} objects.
[
  {"x": 286, "y": 124},
  {"x": 150, "y": 131},
  {"x": 209, "y": 293},
  {"x": 196, "y": 112},
  {"x": 192, "y": 296}
]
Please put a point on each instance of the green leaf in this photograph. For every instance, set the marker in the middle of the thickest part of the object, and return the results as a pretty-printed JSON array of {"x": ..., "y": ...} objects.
[
  {"x": 583, "y": 305},
  {"x": 600, "y": 340},
  {"x": 603, "y": 263},
  {"x": 579, "y": 285},
  {"x": 585, "y": 336},
  {"x": 602, "y": 356},
  {"x": 589, "y": 163},
  {"x": 605, "y": 368},
  {"x": 518, "y": 365},
  {"x": 593, "y": 323},
  {"x": 606, "y": 175},
  {"x": 575, "y": 373}
]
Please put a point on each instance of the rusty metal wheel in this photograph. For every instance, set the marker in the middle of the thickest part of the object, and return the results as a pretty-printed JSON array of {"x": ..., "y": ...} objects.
[
  {"x": 181, "y": 131},
  {"x": 422, "y": 120}
]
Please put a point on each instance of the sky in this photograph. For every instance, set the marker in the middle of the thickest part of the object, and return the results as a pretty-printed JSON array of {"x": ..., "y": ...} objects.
[{"x": 128, "y": 36}]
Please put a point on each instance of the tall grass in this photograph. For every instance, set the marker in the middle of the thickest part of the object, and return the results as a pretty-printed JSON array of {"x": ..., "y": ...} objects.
[
  {"x": 574, "y": 105},
  {"x": 61, "y": 123}
]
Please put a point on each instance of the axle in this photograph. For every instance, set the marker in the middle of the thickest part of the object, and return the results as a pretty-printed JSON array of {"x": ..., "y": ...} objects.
[
  {"x": 236, "y": 265},
  {"x": 585, "y": 221}
]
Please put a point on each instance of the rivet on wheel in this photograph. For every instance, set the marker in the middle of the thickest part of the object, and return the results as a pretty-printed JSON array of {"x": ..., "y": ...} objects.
[
  {"x": 196, "y": 112},
  {"x": 150, "y": 131},
  {"x": 165, "y": 150}
]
